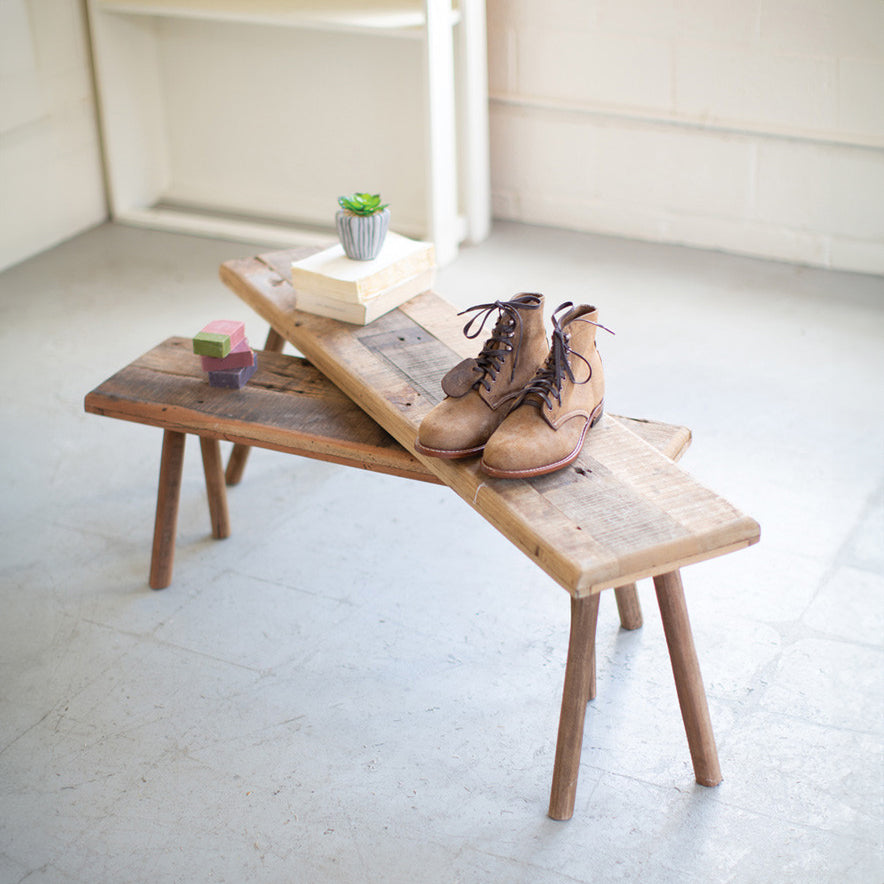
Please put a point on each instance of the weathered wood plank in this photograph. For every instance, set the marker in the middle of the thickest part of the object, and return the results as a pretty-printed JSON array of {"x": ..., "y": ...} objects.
[
  {"x": 621, "y": 512},
  {"x": 287, "y": 406}
]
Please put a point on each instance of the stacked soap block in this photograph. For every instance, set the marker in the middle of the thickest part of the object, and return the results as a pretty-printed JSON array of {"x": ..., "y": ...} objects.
[{"x": 225, "y": 353}]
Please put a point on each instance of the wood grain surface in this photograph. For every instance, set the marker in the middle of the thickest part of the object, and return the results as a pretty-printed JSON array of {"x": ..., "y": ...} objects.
[
  {"x": 621, "y": 512},
  {"x": 286, "y": 406}
]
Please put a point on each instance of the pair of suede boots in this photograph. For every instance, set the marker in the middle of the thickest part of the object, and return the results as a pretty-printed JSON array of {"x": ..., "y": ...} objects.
[{"x": 525, "y": 405}]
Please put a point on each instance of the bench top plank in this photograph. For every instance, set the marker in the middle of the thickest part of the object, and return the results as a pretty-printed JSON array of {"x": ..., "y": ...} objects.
[
  {"x": 286, "y": 406},
  {"x": 622, "y": 511}
]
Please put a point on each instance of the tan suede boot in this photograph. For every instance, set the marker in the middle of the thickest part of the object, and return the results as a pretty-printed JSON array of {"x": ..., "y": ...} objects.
[
  {"x": 546, "y": 427},
  {"x": 481, "y": 391}
]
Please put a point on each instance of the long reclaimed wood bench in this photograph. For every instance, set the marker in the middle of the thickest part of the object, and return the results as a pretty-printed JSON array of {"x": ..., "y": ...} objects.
[{"x": 621, "y": 512}]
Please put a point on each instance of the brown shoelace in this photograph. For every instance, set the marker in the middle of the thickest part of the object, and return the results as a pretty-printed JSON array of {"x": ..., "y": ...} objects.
[
  {"x": 546, "y": 384},
  {"x": 500, "y": 343}
]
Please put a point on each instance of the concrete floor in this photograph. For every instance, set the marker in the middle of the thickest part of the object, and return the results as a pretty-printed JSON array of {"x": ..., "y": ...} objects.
[{"x": 362, "y": 684}]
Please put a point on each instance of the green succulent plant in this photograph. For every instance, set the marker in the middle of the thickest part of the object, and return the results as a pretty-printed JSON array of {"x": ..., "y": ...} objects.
[{"x": 362, "y": 203}]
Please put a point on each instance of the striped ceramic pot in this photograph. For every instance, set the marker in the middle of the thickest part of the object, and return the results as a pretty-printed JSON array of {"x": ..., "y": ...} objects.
[{"x": 362, "y": 235}]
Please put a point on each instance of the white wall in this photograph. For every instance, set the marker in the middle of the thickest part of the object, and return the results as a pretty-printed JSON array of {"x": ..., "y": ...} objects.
[
  {"x": 752, "y": 126},
  {"x": 50, "y": 166}
]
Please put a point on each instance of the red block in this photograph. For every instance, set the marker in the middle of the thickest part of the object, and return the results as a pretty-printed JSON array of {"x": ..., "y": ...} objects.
[
  {"x": 235, "y": 378},
  {"x": 239, "y": 356}
]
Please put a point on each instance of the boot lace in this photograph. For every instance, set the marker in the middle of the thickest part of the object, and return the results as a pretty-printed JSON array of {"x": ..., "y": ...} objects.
[
  {"x": 546, "y": 384},
  {"x": 500, "y": 344}
]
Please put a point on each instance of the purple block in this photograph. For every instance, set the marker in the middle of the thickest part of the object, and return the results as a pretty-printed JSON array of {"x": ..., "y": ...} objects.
[
  {"x": 234, "y": 378},
  {"x": 240, "y": 356}
]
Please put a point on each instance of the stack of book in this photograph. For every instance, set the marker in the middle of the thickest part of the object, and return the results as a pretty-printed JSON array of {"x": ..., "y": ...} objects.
[
  {"x": 331, "y": 284},
  {"x": 225, "y": 353}
]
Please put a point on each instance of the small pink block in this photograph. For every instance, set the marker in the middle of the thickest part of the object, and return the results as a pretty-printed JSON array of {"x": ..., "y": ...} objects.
[
  {"x": 235, "y": 330},
  {"x": 240, "y": 356}
]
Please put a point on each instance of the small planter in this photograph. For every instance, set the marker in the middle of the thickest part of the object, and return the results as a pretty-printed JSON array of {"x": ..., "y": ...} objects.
[{"x": 362, "y": 236}]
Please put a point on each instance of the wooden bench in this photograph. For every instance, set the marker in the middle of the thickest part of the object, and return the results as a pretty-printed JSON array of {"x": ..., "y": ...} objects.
[
  {"x": 621, "y": 512},
  {"x": 287, "y": 406}
]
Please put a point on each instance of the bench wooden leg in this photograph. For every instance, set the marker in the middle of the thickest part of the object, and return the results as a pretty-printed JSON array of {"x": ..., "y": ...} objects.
[
  {"x": 275, "y": 341},
  {"x": 236, "y": 464},
  {"x": 211, "y": 451},
  {"x": 688, "y": 681},
  {"x": 579, "y": 688},
  {"x": 628, "y": 606},
  {"x": 163, "y": 554}
]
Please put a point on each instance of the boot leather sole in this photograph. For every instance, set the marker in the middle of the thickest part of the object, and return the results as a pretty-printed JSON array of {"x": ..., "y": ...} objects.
[
  {"x": 447, "y": 453},
  {"x": 544, "y": 469}
]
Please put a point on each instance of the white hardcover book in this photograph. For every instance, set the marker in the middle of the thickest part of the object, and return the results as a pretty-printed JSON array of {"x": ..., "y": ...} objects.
[
  {"x": 362, "y": 313},
  {"x": 331, "y": 273}
]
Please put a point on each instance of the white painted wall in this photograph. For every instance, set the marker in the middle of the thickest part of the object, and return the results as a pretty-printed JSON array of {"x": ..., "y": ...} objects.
[
  {"x": 754, "y": 126},
  {"x": 50, "y": 164}
]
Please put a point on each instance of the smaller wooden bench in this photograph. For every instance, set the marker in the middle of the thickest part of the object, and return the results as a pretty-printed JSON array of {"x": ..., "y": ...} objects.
[{"x": 288, "y": 406}]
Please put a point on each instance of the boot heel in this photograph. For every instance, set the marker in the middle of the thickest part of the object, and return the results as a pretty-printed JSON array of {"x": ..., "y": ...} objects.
[{"x": 597, "y": 413}]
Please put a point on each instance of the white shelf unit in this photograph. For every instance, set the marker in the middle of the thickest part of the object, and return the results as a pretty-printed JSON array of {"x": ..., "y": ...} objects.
[{"x": 247, "y": 118}]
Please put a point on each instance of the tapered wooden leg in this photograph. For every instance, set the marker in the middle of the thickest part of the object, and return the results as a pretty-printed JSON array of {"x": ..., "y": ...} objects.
[
  {"x": 688, "y": 681},
  {"x": 217, "y": 494},
  {"x": 163, "y": 554},
  {"x": 579, "y": 673},
  {"x": 275, "y": 341},
  {"x": 628, "y": 606},
  {"x": 236, "y": 464}
]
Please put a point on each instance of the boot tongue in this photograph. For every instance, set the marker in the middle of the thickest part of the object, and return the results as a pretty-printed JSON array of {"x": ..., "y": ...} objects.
[
  {"x": 529, "y": 300},
  {"x": 459, "y": 380},
  {"x": 462, "y": 378},
  {"x": 582, "y": 316}
]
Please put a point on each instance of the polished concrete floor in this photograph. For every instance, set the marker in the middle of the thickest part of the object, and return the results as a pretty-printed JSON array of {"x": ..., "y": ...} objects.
[{"x": 362, "y": 684}]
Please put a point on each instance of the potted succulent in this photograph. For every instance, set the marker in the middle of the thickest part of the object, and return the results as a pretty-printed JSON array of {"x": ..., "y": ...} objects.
[{"x": 362, "y": 223}]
